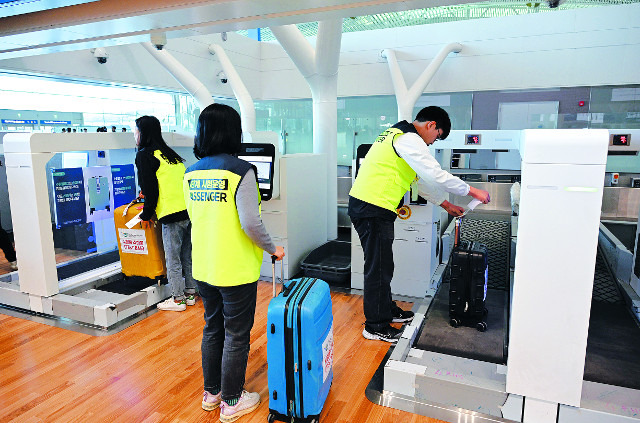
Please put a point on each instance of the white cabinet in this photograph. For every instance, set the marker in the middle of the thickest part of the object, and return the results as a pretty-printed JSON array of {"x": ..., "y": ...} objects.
[
  {"x": 416, "y": 253},
  {"x": 297, "y": 220}
]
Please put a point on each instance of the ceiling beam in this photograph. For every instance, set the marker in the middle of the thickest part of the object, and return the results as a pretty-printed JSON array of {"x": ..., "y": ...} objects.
[{"x": 111, "y": 22}]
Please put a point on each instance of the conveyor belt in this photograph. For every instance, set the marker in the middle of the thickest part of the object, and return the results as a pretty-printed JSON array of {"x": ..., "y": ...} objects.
[
  {"x": 605, "y": 287},
  {"x": 624, "y": 231},
  {"x": 613, "y": 345},
  {"x": 86, "y": 263},
  {"x": 493, "y": 231},
  {"x": 128, "y": 286},
  {"x": 438, "y": 336}
]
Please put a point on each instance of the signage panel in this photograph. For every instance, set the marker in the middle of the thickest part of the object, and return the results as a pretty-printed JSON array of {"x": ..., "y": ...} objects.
[
  {"x": 20, "y": 121},
  {"x": 55, "y": 122}
]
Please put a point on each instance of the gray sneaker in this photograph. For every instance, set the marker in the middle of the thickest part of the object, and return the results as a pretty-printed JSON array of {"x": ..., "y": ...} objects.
[
  {"x": 248, "y": 402},
  {"x": 190, "y": 299},
  {"x": 210, "y": 401}
]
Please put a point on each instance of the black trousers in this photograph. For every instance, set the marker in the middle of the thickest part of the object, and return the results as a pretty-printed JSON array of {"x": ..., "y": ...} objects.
[
  {"x": 6, "y": 245},
  {"x": 376, "y": 237}
]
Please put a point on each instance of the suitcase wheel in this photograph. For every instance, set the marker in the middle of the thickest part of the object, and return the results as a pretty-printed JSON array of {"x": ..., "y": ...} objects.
[
  {"x": 481, "y": 326},
  {"x": 454, "y": 323},
  {"x": 271, "y": 418}
]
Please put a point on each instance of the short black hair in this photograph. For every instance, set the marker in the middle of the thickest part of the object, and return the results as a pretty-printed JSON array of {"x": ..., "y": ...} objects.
[
  {"x": 219, "y": 131},
  {"x": 439, "y": 116}
]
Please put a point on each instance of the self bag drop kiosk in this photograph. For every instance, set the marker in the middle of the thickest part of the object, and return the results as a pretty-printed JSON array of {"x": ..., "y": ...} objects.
[
  {"x": 42, "y": 286},
  {"x": 300, "y": 321},
  {"x": 543, "y": 379},
  {"x": 263, "y": 158}
]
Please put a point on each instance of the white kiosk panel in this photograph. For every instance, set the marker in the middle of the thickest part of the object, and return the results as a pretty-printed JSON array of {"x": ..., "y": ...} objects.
[{"x": 561, "y": 197}]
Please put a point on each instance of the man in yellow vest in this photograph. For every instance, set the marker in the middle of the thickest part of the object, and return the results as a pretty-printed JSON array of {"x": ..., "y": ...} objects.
[{"x": 396, "y": 157}]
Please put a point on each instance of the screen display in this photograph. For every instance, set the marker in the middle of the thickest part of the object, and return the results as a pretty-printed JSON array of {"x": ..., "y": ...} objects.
[
  {"x": 263, "y": 164},
  {"x": 621, "y": 139},
  {"x": 472, "y": 139}
]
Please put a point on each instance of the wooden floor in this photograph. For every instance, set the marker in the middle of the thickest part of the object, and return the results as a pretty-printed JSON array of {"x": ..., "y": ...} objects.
[
  {"x": 151, "y": 371},
  {"x": 62, "y": 256}
]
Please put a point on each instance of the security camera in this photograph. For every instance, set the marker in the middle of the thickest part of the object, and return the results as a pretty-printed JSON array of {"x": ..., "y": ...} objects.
[
  {"x": 101, "y": 55},
  {"x": 222, "y": 77},
  {"x": 159, "y": 40}
]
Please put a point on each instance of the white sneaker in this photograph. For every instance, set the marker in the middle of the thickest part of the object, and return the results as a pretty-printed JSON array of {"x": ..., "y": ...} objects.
[
  {"x": 248, "y": 402},
  {"x": 13, "y": 265},
  {"x": 170, "y": 305}
]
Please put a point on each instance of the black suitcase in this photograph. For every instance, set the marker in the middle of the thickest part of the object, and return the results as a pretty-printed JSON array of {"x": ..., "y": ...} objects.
[{"x": 468, "y": 284}]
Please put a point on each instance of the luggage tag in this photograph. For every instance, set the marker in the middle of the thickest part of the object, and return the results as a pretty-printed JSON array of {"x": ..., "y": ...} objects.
[
  {"x": 472, "y": 205},
  {"x": 134, "y": 221}
]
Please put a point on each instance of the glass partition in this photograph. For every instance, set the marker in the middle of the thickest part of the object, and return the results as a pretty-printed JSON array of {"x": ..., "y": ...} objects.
[{"x": 83, "y": 196}]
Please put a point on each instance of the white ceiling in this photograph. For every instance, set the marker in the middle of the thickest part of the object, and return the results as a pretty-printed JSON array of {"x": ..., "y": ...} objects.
[{"x": 112, "y": 22}]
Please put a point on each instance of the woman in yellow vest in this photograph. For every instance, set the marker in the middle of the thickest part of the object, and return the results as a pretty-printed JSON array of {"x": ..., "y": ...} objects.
[
  {"x": 228, "y": 237},
  {"x": 160, "y": 174}
]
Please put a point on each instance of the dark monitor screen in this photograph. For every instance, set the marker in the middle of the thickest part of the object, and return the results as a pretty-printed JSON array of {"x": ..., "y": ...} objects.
[
  {"x": 262, "y": 156},
  {"x": 472, "y": 139},
  {"x": 621, "y": 139}
]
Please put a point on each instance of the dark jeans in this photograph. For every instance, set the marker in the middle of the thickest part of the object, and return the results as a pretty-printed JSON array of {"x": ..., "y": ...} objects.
[
  {"x": 7, "y": 246},
  {"x": 228, "y": 316},
  {"x": 376, "y": 237}
]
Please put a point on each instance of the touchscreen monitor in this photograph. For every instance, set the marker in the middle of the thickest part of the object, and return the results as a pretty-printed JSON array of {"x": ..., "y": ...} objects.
[{"x": 262, "y": 156}]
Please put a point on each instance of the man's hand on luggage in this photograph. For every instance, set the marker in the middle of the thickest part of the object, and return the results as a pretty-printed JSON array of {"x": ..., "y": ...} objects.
[
  {"x": 146, "y": 223},
  {"x": 452, "y": 209},
  {"x": 479, "y": 194},
  {"x": 279, "y": 253}
]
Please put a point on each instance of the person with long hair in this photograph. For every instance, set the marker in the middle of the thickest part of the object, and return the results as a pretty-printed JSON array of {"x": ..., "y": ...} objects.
[
  {"x": 228, "y": 237},
  {"x": 160, "y": 173}
]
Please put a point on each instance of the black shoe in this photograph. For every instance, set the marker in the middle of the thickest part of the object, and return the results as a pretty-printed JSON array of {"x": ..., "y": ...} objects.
[
  {"x": 402, "y": 316},
  {"x": 388, "y": 334}
]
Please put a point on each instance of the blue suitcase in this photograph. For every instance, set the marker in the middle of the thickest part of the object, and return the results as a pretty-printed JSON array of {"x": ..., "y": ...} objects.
[{"x": 299, "y": 350}]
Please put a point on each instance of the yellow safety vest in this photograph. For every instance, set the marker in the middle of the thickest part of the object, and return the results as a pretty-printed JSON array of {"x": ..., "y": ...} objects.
[
  {"x": 223, "y": 254},
  {"x": 383, "y": 177},
  {"x": 170, "y": 196}
]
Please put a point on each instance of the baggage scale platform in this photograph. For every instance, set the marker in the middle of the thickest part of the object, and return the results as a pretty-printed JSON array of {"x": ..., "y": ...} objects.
[
  {"x": 456, "y": 374},
  {"x": 95, "y": 297}
]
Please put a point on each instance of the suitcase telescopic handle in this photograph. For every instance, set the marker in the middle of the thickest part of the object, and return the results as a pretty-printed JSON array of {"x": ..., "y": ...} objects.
[
  {"x": 458, "y": 227},
  {"x": 273, "y": 270}
]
